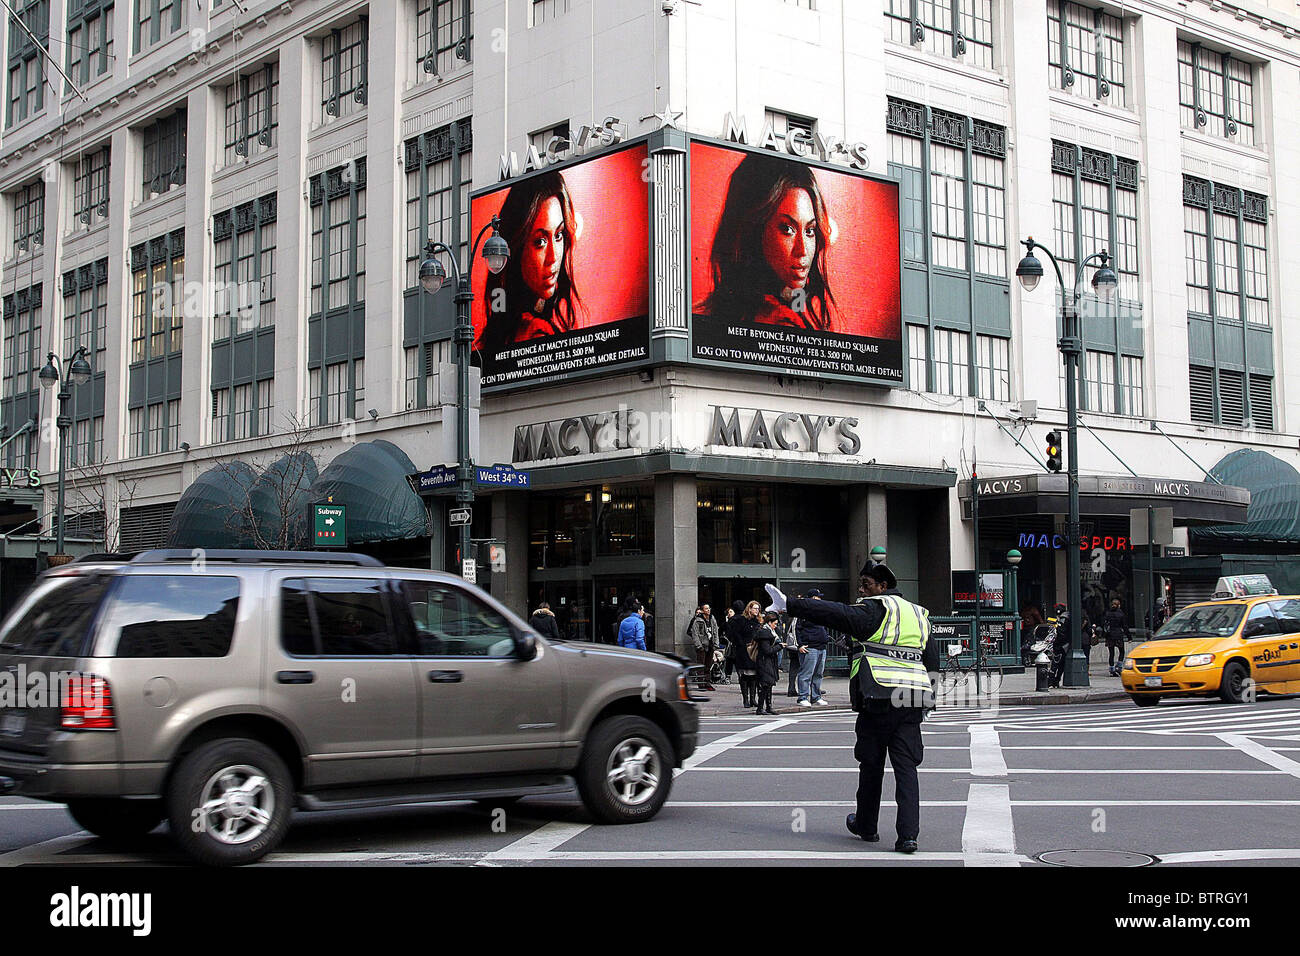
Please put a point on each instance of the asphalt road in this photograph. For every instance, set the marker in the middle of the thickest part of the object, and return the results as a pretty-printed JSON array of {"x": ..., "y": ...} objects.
[{"x": 1187, "y": 782}]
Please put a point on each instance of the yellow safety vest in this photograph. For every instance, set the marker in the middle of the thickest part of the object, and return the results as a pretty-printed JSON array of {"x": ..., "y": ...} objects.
[{"x": 893, "y": 653}]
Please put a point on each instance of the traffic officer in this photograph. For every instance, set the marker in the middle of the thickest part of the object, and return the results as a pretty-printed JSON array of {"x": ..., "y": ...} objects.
[{"x": 889, "y": 683}]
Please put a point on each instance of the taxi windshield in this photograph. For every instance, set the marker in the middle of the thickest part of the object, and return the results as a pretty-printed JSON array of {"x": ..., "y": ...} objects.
[{"x": 1209, "y": 620}]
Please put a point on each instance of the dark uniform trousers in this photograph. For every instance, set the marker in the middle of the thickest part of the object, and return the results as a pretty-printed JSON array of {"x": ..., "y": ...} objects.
[{"x": 885, "y": 729}]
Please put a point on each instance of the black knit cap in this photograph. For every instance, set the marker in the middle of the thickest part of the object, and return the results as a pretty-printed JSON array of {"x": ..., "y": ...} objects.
[
  {"x": 738, "y": 607},
  {"x": 881, "y": 573}
]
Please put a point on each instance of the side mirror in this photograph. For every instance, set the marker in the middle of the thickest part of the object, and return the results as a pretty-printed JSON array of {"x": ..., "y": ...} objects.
[{"x": 525, "y": 646}]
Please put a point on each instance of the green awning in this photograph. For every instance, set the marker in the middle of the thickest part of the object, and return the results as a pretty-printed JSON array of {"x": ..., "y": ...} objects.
[
  {"x": 212, "y": 513},
  {"x": 370, "y": 480},
  {"x": 1274, "y": 513}
]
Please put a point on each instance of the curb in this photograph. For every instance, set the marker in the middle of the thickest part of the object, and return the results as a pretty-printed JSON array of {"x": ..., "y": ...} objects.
[{"x": 1011, "y": 700}]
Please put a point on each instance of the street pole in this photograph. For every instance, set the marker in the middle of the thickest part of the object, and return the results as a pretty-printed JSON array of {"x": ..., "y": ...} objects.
[
  {"x": 1151, "y": 572},
  {"x": 72, "y": 371},
  {"x": 63, "y": 422},
  {"x": 1104, "y": 282},
  {"x": 464, "y": 340},
  {"x": 979, "y": 590}
]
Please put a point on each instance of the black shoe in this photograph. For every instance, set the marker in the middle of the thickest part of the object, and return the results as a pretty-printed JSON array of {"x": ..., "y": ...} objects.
[
  {"x": 905, "y": 846},
  {"x": 759, "y": 712},
  {"x": 851, "y": 822},
  {"x": 770, "y": 712}
]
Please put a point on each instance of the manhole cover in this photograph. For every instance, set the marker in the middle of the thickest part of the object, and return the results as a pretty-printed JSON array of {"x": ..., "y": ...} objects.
[{"x": 1096, "y": 858}]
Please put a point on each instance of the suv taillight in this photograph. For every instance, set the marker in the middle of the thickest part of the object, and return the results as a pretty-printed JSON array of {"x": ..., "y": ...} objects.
[{"x": 87, "y": 704}]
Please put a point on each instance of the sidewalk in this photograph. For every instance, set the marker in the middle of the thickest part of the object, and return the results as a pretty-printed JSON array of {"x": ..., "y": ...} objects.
[{"x": 1014, "y": 689}]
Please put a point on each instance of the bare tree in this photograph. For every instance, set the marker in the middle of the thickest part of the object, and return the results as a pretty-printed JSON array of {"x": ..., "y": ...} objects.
[
  {"x": 88, "y": 488},
  {"x": 267, "y": 507}
]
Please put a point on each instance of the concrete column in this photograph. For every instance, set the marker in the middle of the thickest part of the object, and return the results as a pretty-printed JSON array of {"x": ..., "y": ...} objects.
[
  {"x": 510, "y": 528},
  {"x": 676, "y": 561},
  {"x": 196, "y": 364},
  {"x": 877, "y": 522},
  {"x": 859, "y": 539},
  {"x": 122, "y": 163},
  {"x": 293, "y": 240},
  {"x": 385, "y": 202}
]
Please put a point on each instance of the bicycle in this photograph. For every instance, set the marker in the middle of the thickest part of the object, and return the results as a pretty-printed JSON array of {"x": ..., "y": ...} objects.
[{"x": 954, "y": 673}]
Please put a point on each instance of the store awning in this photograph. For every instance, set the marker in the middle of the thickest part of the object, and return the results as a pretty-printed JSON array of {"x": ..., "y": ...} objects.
[
  {"x": 1274, "y": 512},
  {"x": 370, "y": 480},
  {"x": 213, "y": 513},
  {"x": 1194, "y": 502}
]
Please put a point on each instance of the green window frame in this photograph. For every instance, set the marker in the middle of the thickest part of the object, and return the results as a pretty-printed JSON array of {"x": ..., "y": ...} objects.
[
  {"x": 962, "y": 29},
  {"x": 443, "y": 37},
  {"x": 20, "y": 390},
  {"x": 90, "y": 39},
  {"x": 1085, "y": 50},
  {"x": 345, "y": 58},
  {"x": 155, "y": 21},
  {"x": 27, "y": 60},
  {"x": 85, "y": 324},
  {"x": 1216, "y": 93}
]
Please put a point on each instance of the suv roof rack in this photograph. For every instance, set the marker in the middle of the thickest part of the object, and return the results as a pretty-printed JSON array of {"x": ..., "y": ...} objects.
[{"x": 167, "y": 555}]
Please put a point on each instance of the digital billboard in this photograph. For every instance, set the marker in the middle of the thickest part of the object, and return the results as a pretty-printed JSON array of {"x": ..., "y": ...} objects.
[
  {"x": 574, "y": 295},
  {"x": 795, "y": 267}
]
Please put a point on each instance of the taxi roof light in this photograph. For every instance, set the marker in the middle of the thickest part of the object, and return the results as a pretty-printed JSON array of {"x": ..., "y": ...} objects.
[{"x": 1242, "y": 585}]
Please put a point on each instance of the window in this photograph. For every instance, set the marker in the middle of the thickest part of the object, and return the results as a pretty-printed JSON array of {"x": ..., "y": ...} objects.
[
  {"x": 1130, "y": 384},
  {"x": 85, "y": 325},
  {"x": 958, "y": 28},
  {"x": 172, "y": 615},
  {"x": 783, "y": 123},
  {"x": 1095, "y": 209},
  {"x": 338, "y": 291},
  {"x": 1225, "y": 249},
  {"x": 29, "y": 217},
  {"x": 735, "y": 523},
  {"x": 244, "y": 254},
  {"x": 164, "y": 154},
  {"x": 344, "y": 65},
  {"x": 1216, "y": 93},
  {"x": 431, "y": 202},
  {"x": 1261, "y": 622},
  {"x": 243, "y": 411},
  {"x": 420, "y": 363},
  {"x": 443, "y": 41},
  {"x": 155, "y": 21},
  {"x": 451, "y": 623},
  {"x": 252, "y": 113},
  {"x": 993, "y": 368},
  {"x": 952, "y": 172},
  {"x": 1093, "y": 43},
  {"x": 27, "y": 59},
  {"x": 557, "y": 137},
  {"x": 90, "y": 39},
  {"x": 154, "y": 377},
  {"x": 543, "y": 10},
  {"x": 54, "y": 617},
  {"x": 20, "y": 391},
  {"x": 329, "y": 617},
  {"x": 90, "y": 190},
  {"x": 951, "y": 362}
]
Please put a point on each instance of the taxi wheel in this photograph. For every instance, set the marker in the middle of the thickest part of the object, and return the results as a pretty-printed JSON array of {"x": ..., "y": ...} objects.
[
  {"x": 1145, "y": 701},
  {"x": 1232, "y": 686}
]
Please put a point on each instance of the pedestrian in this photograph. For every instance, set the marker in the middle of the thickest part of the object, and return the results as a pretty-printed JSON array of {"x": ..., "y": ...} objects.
[
  {"x": 891, "y": 690},
  {"x": 631, "y": 630},
  {"x": 813, "y": 643},
  {"x": 703, "y": 633},
  {"x": 769, "y": 657},
  {"x": 793, "y": 658},
  {"x": 544, "y": 623},
  {"x": 1030, "y": 617},
  {"x": 741, "y": 631},
  {"x": 737, "y": 608},
  {"x": 1116, "y": 627}
]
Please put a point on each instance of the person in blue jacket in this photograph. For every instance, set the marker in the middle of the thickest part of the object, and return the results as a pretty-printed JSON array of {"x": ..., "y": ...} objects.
[{"x": 631, "y": 630}]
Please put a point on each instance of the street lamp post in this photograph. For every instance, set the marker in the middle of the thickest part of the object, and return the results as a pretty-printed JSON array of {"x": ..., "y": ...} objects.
[
  {"x": 432, "y": 276},
  {"x": 78, "y": 372},
  {"x": 1104, "y": 281}
]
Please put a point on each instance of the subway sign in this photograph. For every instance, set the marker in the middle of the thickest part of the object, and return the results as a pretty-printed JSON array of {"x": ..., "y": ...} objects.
[{"x": 1106, "y": 542}]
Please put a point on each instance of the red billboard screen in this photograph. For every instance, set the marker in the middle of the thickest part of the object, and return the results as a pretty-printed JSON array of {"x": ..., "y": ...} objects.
[
  {"x": 574, "y": 295},
  {"x": 794, "y": 267}
]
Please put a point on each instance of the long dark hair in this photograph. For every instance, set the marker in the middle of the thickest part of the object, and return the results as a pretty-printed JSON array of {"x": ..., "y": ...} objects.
[
  {"x": 518, "y": 213},
  {"x": 741, "y": 275}
]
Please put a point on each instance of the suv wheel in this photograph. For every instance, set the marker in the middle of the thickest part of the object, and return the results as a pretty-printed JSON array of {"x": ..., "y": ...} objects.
[
  {"x": 229, "y": 802},
  {"x": 114, "y": 818},
  {"x": 626, "y": 770}
]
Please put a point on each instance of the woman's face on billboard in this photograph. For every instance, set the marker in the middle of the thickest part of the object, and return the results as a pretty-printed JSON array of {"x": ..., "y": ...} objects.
[
  {"x": 790, "y": 239},
  {"x": 544, "y": 254}
]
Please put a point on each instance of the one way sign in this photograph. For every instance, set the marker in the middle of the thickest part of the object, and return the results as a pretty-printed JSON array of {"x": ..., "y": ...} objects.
[{"x": 459, "y": 516}]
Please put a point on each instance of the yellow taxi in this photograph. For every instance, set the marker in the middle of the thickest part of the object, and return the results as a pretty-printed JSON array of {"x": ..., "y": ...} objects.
[{"x": 1246, "y": 639}]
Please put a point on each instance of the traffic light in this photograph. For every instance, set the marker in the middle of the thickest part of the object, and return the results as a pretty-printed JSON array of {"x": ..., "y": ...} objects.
[{"x": 1053, "y": 451}]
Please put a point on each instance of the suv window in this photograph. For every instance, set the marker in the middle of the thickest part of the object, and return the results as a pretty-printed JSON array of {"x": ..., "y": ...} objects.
[
  {"x": 174, "y": 615},
  {"x": 450, "y": 622},
  {"x": 1288, "y": 615},
  {"x": 54, "y": 619},
  {"x": 1261, "y": 622},
  {"x": 335, "y": 617}
]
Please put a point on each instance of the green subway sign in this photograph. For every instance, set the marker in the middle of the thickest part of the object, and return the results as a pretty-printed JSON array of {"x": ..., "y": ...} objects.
[{"x": 329, "y": 526}]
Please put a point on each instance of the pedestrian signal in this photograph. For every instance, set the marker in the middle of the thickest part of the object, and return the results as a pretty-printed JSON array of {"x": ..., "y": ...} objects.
[{"x": 1053, "y": 451}]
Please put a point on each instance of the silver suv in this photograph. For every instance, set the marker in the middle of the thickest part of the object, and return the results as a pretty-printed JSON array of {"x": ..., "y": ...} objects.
[{"x": 222, "y": 690}]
